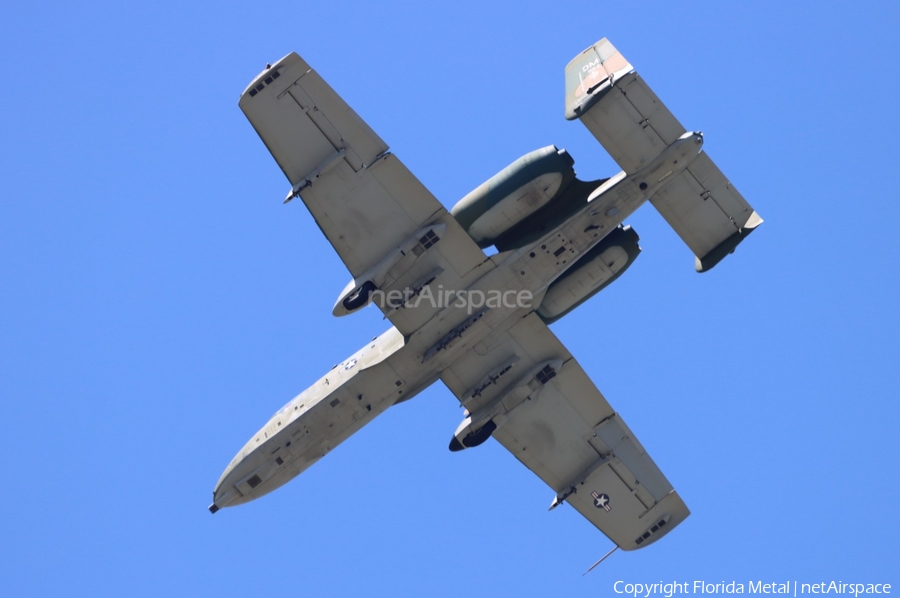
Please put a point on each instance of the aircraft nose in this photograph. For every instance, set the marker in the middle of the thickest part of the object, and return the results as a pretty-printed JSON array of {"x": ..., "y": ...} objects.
[
  {"x": 224, "y": 498},
  {"x": 225, "y": 493}
]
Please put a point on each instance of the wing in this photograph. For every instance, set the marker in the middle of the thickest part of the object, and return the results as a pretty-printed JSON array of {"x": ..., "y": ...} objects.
[
  {"x": 366, "y": 202},
  {"x": 549, "y": 414},
  {"x": 634, "y": 126}
]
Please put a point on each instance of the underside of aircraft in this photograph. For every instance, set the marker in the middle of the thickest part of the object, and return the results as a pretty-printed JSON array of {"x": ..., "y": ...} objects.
[{"x": 479, "y": 323}]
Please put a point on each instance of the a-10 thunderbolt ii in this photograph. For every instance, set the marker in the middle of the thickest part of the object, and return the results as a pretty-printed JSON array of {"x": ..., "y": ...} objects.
[{"x": 480, "y": 323}]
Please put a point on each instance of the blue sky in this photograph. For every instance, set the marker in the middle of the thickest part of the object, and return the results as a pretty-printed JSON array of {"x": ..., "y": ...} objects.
[{"x": 159, "y": 303}]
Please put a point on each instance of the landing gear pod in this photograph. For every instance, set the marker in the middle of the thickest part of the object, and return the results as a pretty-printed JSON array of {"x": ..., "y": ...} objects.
[
  {"x": 478, "y": 426},
  {"x": 359, "y": 297},
  {"x": 359, "y": 291},
  {"x": 465, "y": 437}
]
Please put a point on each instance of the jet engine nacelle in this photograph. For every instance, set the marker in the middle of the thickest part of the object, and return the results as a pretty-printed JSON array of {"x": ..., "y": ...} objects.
[
  {"x": 514, "y": 193},
  {"x": 591, "y": 273}
]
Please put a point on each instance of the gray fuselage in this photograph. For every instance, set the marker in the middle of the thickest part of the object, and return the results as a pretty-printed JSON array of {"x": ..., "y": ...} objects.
[{"x": 392, "y": 368}]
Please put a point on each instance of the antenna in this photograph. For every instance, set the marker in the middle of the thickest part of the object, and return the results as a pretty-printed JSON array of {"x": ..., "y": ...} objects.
[{"x": 615, "y": 548}]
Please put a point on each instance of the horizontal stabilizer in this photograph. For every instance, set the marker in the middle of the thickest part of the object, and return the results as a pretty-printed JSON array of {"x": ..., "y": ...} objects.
[{"x": 634, "y": 126}]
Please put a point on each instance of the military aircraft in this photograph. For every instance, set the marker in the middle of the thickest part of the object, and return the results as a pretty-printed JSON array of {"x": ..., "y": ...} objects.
[{"x": 479, "y": 323}]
